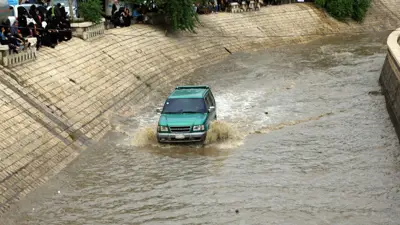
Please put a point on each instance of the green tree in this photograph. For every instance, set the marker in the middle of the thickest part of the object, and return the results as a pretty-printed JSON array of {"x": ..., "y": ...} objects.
[
  {"x": 180, "y": 13},
  {"x": 360, "y": 8},
  {"x": 345, "y": 9},
  {"x": 91, "y": 10}
]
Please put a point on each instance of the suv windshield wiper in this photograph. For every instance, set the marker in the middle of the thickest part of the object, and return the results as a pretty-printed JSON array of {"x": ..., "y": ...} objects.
[
  {"x": 191, "y": 112},
  {"x": 181, "y": 111}
]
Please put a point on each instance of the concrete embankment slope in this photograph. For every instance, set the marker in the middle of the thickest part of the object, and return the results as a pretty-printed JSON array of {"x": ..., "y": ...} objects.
[
  {"x": 33, "y": 147},
  {"x": 58, "y": 103},
  {"x": 390, "y": 78}
]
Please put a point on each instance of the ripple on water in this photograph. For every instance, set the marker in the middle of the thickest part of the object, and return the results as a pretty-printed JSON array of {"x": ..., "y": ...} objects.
[{"x": 327, "y": 152}]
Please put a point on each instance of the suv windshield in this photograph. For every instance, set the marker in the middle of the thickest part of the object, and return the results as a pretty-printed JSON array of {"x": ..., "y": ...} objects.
[{"x": 184, "y": 105}]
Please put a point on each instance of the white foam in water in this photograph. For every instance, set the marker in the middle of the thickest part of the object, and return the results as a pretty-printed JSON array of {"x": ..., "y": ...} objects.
[{"x": 240, "y": 106}]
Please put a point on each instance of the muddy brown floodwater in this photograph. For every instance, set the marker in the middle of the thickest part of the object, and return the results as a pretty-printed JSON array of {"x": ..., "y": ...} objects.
[{"x": 317, "y": 147}]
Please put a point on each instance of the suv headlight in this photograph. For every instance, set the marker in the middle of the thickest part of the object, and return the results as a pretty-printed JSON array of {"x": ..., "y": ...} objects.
[
  {"x": 198, "y": 128},
  {"x": 163, "y": 128}
]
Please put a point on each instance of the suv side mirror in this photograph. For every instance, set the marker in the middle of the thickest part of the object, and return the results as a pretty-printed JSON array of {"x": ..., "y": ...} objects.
[{"x": 212, "y": 108}]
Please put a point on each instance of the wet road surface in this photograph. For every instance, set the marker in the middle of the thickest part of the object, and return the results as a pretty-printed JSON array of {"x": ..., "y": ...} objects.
[{"x": 318, "y": 147}]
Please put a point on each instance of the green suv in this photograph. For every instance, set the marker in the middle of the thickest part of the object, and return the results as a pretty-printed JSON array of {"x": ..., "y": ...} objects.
[{"x": 186, "y": 115}]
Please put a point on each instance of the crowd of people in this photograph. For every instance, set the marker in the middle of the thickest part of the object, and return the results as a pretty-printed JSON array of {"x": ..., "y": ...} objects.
[
  {"x": 215, "y": 6},
  {"x": 122, "y": 17},
  {"x": 57, "y": 25},
  {"x": 50, "y": 28}
]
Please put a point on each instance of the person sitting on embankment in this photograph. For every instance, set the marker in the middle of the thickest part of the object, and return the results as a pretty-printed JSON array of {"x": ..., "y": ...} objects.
[
  {"x": 5, "y": 41},
  {"x": 138, "y": 17}
]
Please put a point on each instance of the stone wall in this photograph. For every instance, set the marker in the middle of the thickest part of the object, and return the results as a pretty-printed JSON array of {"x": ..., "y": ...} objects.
[
  {"x": 390, "y": 78},
  {"x": 61, "y": 98}
]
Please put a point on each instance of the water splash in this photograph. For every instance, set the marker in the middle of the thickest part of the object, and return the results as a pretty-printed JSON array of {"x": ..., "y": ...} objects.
[
  {"x": 145, "y": 137},
  {"x": 121, "y": 129},
  {"x": 221, "y": 134},
  {"x": 221, "y": 131}
]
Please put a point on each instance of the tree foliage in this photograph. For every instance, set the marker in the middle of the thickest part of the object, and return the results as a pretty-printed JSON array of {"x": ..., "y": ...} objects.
[
  {"x": 91, "y": 10},
  {"x": 180, "y": 13},
  {"x": 344, "y": 9}
]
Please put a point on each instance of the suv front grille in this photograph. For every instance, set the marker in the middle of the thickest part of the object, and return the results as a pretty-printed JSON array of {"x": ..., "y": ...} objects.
[{"x": 180, "y": 129}]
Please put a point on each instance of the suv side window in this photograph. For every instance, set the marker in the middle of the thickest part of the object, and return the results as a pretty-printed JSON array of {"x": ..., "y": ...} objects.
[
  {"x": 208, "y": 101},
  {"x": 211, "y": 98}
]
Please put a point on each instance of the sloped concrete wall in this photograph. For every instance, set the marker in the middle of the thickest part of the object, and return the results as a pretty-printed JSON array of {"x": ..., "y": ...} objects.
[
  {"x": 68, "y": 90},
  {"x": 33, "y": 147},
  {"x": 390, "y": 78}
]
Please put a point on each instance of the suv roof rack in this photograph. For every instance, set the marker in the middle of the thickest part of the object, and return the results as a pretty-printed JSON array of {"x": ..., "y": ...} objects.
[{"x": 193, "y": 87}]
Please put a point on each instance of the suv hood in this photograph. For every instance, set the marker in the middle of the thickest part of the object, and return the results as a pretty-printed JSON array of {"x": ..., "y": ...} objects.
[{"x": 184, "y": 119}]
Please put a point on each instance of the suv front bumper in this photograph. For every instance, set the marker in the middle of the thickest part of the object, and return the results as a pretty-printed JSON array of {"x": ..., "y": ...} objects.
[{"x": 181, "y": 137}]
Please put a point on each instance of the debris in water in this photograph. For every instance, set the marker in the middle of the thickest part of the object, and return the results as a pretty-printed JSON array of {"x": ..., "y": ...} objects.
[
  {"x": 266, "y": 113},
  {"x": 59, "y": 192},
  {"x": 237, "y": 211},
  {"x": 375, "y": 93}
]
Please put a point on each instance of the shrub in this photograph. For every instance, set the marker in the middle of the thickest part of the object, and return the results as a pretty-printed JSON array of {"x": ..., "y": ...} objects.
[
  {"x": 360, "y": 8},
  {"x": 179, "y": 12},
  {"x": 340, "y": 9},
  {"x": 91, "y": 10},
  {"x": 345, "y": 9}
]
